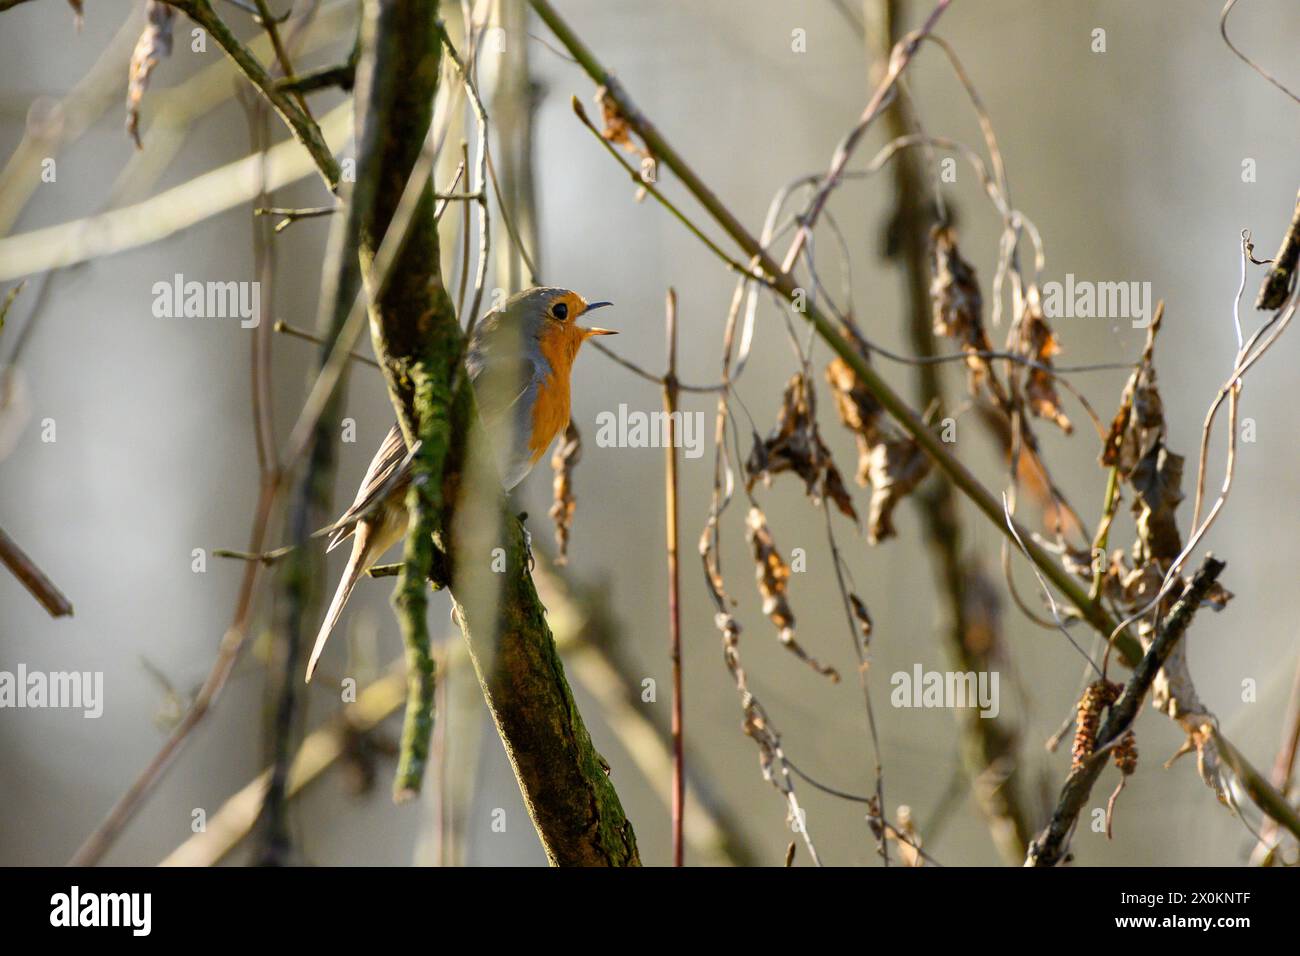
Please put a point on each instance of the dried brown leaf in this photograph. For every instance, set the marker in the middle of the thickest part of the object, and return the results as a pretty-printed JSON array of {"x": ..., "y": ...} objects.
[
  {"x": 796, "y": 445},
  {"x": 833, "y": 488},
  {"x": 908, "y": 838},
  {"x": 1140, "y": 420},
  {"x": 896, "y": 467},
  {"x": 892, "y": 465},
  {"x": 858, "y": 409},
  {"x": 957, "y": 303},
  {"x": 1136, "y": 447},
  {"x": 155, "y": 43},
  {"x": 772, "y": 575},
  {"x": 565, "y": 458},
  {"x": 617, "y": 130},
  {"x": 1038, "y": 344},
  {"x": 616, "y": 127},
  {"x": 1130, "y": 587},
  {"x": 1157, "y": 480},
  {"x": 862, "y": 616}
]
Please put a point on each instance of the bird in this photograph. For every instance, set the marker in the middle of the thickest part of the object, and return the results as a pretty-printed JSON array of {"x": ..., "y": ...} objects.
[{"x": 519, "y": 360}]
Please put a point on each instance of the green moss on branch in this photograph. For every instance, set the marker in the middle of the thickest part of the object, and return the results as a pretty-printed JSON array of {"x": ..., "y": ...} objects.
[{"x": 419, "y": 344}]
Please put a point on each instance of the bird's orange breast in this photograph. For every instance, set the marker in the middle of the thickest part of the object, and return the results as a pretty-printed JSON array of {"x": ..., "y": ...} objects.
[{"x": 550, "y": 416}]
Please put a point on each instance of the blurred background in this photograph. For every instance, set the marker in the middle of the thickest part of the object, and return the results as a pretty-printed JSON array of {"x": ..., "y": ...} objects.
[{"x": 1130, "y": 162}]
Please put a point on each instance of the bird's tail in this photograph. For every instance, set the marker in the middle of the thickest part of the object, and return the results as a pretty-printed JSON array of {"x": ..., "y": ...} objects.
[{"x": 359, "y": 561}]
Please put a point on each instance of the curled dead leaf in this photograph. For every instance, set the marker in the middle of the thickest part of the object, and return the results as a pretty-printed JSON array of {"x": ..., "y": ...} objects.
[
  {"x": 615, "y": 125},
  {"x": 862, "y": 616},
  {"x": 896, "y": 467},
  {"x": 773, "y": 574},
  {"x": 155, "y": 43},
  {"x": 1157, "y": 480},
  {"x": 1129, "y": 587},
  {"x": 958, "y": 304},
  {"x": 796, "y": 445},
  {"x": 1038, "y": 344},
  {"x": 891, "y": 464},
  {"x": 908, "y": 838},
  {"x": 1136, "y": 447},
  {"x": 565, "y": 458},
  {"x": 617, "y": 130}
]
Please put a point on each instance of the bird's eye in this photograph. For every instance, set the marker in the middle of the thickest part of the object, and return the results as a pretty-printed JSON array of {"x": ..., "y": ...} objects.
[{"x": 560, "y": 311}]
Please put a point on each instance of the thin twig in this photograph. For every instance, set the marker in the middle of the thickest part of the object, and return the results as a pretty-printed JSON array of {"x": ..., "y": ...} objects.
[
  {"x": 1223, "y": 31},
  {"x": 293, "y": 215},
  {"x": 271, "y": 26},
  {"x": 33, "y": 578},
  {"x": 670, "y": 390},
  {"x": 343, "y": 75},
  {"x": 650, "y": 376},
  {"x": 990, "y": 752},
  {"x": 480, "y": 185},
  {"x": 232, "y": 642},
  {"x": 650, "y": 187},
  {"x": 898, "y": 61},
  {"x": 1283, "y": 772},
  {"x": 508, "y": 220},
  {"x": 304, "y": 128},
  {"x": 297, "y": 333},
  {"x": 789, "y": 289}
]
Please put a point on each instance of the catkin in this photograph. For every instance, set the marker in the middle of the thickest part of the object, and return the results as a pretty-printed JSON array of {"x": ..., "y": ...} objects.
[
  {"x": 1096, "y": 697},
  {"x": 1126, "y": 753}
]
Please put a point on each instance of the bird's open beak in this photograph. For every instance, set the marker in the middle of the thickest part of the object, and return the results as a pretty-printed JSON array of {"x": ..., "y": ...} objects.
[{"x": 588, "y": 333}]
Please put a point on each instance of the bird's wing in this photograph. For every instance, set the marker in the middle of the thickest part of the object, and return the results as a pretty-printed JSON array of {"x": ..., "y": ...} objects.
[
  {"x": 501, "y": 381},
  {"x": 388, "y": 470},
  {"x": 501, "y": 366}
]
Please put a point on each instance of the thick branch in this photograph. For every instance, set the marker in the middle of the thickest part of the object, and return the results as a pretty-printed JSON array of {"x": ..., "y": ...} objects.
[{"x": 418, "y": 340}]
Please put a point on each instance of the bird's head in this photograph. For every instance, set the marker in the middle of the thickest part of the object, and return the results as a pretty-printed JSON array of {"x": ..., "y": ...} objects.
[{"x": 549, "y": 318}]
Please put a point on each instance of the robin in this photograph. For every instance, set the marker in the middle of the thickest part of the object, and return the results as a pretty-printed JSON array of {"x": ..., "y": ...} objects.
[{"x": 519, "y": 361}]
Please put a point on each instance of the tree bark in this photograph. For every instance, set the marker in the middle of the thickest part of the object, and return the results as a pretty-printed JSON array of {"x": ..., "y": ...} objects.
[{"x": 418, "y": 340}]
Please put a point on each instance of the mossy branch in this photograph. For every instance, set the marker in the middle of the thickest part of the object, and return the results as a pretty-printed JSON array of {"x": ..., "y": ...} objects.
[
  {"x": 396, "y": 84},
  {"x": 418, "y": 341},
  {"x": 411, "y": 599}
]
